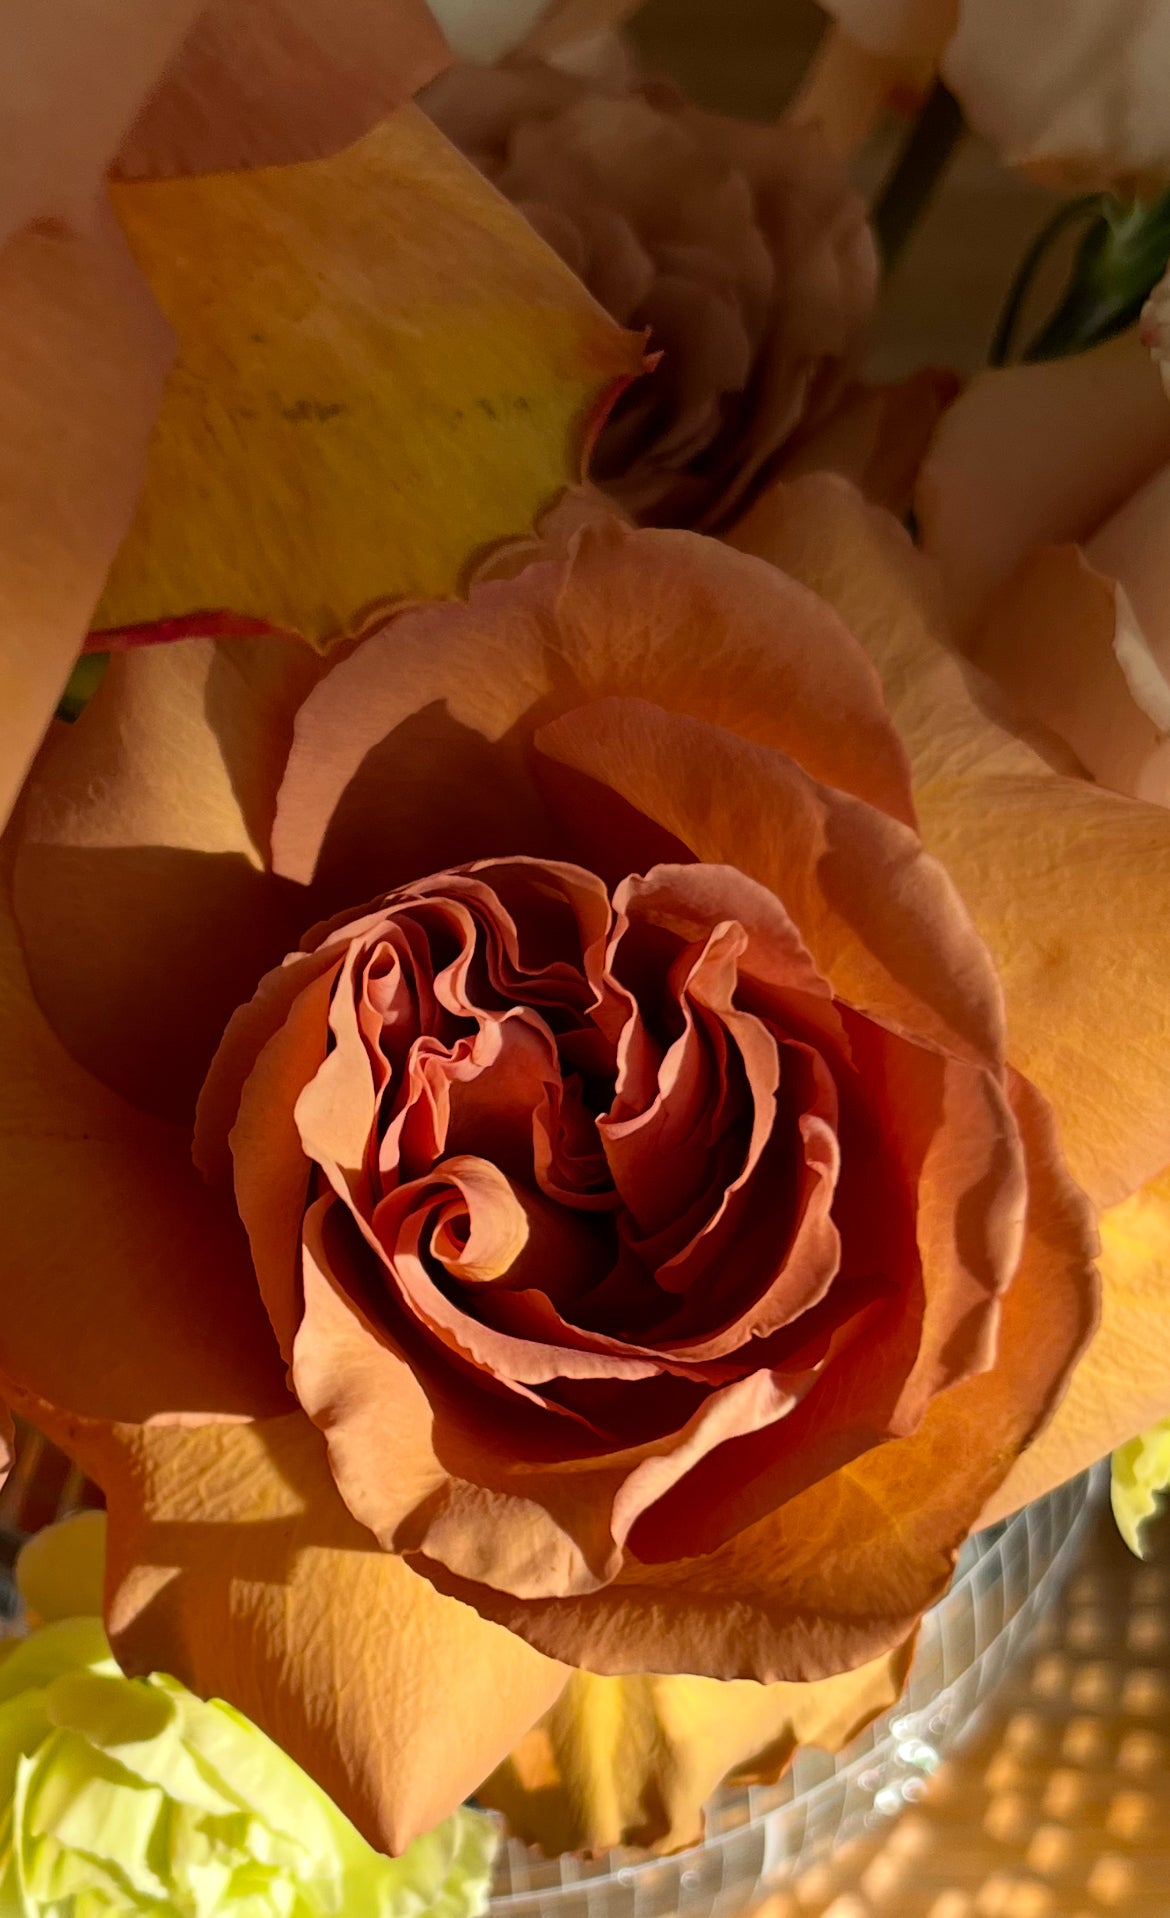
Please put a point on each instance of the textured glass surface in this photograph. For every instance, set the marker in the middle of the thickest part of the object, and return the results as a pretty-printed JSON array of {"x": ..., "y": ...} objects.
[{"x": 760, "y": 1837}]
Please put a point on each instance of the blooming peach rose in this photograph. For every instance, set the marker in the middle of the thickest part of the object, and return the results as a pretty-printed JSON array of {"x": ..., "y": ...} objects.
[
  {"x": 648, "y": 1249},
  {"x": 1046, "y": 501},
  {"x": 741, "y": 248},
  {"x": 1074, "y": 90}
]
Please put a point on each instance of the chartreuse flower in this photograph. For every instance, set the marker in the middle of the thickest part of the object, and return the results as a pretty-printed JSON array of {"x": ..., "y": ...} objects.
[
  {"x": 130, "y": 1795},
  {"x": 1141, "y": 1470}
]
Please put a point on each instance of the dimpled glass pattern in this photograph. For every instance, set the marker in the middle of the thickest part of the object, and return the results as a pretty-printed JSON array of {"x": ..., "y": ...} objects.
[{"x": 762, "y": 1837}]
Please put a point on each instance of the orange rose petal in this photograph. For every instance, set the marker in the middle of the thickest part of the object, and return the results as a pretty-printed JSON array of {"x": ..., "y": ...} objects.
[
  {"x": 841, "y": 1574},
  {"x": 831, "y": 860},
  {"x": 351, "y": 331},
  {"x": 360, "y": 810},
  {"x": 1122, "y": 1385},
  {"x": 633, "y": 1760},
  {"x": 83, "y": 353},
  {"x": 106, "y": 1229},
  {"x": 140, "y": 886},
  {"x": 1033, "y": 455},
  {"x": 234, "y": 1565},
  {"x": 271, "y": 1171},
  {"x": 1026, "y": 848},
  {"x": 270, "y": 82},
  {"x": 490, "y": 1498},
  {"x": 718, "y": 635}
]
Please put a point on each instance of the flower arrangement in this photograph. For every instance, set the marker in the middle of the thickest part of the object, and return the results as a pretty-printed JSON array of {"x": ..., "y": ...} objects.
[{"x": 576, "y": 1113}]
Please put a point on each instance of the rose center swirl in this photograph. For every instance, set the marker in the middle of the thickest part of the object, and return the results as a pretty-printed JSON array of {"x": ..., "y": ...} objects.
[{"x": 601, "y": 1128}]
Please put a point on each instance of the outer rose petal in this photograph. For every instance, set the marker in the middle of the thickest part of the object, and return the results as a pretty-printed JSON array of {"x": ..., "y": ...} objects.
[
  {"x": 716, "y": 636},
  {"x": 105, "y": 1229},
  {"x": 1122, "y": 1385},
  {"x": 351, "y": 330},
  {"x": 234, "y": 1565},
  {"x": 1033, "y": 455},
  {"x": 83, "y": 354},
  {"x": 145, "y": 908},
  {"x": 989, "y": 808},
  {"x": 633, "y": 1760}
]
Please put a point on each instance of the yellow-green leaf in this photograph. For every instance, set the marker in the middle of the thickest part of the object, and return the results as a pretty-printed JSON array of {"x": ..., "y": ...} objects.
[{"x": 1141, "y": 1470}]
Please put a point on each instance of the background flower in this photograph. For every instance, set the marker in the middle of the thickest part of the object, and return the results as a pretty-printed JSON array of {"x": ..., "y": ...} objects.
[
  {"x": 1045, "y": 501},
  {"x": 129, "y": 1795},
  {"x": 1075, "y": 90},
  {"x": 742, "y": 248}
]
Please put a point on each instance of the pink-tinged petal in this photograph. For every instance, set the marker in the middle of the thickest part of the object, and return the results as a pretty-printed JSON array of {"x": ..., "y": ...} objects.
[
  {"x": 877, "y": 436},
  {"x": 906, "y": 28},
  {"x": 1132, "y": 547},
  {"x": 83, "y": 355},
  {"x": 1036, "y": 455}
]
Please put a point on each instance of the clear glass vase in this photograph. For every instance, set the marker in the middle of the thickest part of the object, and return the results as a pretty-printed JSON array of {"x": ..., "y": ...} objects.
[{"x": 761, "y": 1837}]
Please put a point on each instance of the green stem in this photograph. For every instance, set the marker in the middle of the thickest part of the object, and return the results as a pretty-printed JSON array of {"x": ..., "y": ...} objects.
[{"x": 1021, "y": 286}]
